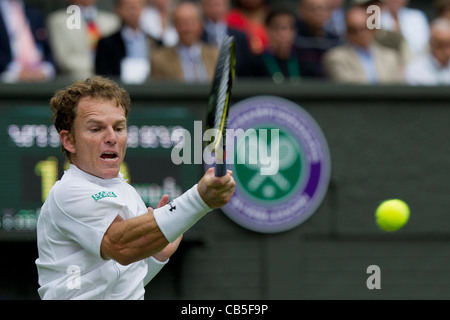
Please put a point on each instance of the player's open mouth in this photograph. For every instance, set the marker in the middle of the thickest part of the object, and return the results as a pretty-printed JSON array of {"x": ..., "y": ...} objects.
[{"x": 109, "y": 155}]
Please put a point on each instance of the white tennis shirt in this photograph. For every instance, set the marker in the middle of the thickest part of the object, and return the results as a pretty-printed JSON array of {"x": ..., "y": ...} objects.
[{"x": 75, "y": 216}]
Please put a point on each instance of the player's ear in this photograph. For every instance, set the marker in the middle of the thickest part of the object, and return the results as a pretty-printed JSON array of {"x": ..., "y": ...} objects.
[{"x": 67, "y": 140}]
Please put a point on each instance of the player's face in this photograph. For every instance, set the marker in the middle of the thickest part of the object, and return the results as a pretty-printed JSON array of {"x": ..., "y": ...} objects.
[{"x": 100, "y": 138}]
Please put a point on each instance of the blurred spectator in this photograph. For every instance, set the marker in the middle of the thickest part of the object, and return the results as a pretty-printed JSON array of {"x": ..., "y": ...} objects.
[
  {"x": 126, "y": 53},
  {"x": 25, "y": 54},
  {"x": 156, "y": 21},
  {"x": 442, "y": 8},
  {"x": 336, "y": 23},
  {"x": 313, "y": 40},
  {"x": 280, "y": 61},
  {"x": 387, "y": 38},
  {"x": 249, "y": 16},
  {"x": 433, "y": 67},
  {"x": 411, "y": 23},
  {"x": 191, "y": 60},
  {"x": 215, "y": 29},
  {"x": 74, "y": 48},
  {"x": 362, "y": 60}
]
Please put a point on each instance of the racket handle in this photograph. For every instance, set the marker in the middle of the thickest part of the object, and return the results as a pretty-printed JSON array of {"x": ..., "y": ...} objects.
[{"x": 220, "y": 169}]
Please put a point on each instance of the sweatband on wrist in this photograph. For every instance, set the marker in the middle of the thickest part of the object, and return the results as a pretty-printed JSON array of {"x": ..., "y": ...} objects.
[{"x": 179, "y": 215}]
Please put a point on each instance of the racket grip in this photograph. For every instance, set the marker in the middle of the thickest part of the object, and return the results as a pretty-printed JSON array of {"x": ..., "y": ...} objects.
[{"x": 220, "y": 169}]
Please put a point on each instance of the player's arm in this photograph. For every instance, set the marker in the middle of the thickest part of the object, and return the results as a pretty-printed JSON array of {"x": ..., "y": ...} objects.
[
  {"x": 134, "y": 239},
  {"x": 108, "y": 250},
  {"x": 130, "y": 240}
]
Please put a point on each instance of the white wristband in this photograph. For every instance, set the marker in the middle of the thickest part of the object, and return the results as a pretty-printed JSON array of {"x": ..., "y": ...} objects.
[{"x": 179, "y": 215}]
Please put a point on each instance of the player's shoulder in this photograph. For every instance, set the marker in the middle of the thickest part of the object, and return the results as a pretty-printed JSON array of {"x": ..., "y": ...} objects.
[
  {"x": 77, "y": 195},
  {"x": 75, "y": 186}
]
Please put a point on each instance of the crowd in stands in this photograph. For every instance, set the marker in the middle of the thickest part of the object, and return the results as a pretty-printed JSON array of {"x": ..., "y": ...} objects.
[{"x": 354, "y": 41}]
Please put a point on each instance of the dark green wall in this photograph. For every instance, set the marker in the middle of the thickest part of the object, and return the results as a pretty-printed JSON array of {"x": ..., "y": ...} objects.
[{"x": 384, "y": 143}]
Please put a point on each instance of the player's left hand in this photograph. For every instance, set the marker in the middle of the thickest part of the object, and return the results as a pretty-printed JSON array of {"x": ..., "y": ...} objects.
[{"x": 170, "y": 249}]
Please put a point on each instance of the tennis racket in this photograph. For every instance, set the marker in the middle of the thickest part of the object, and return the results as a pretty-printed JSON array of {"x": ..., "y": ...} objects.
[{"x": 219, "y": 98}]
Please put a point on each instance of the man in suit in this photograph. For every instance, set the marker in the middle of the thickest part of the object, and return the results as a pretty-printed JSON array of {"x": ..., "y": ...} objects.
[
  {"x": 74, "y": 48},
  {"x": 126, "y": 53},
  {"x": 216, "y": 28},
  {"x": 25, "y": 54},
  {"x": 191, "y": 60},
  {"x": 361, "y": 59}
]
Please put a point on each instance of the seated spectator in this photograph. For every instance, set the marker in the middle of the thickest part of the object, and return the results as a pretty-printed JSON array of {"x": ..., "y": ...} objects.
[
  {"x": 280, "y": 61},
  {"x": 388, "y": 38},
  {"x": 442, "y": 8},
  {"x": 433, "y": 67},
  {"x": 191, "y": 60},
  {"x": 216, "y": 28},
  {"x": 25, "y": 53},
  {"x": 361, "y": 59},
  {"x": 313, "y": 40},
  {"x": 249, "y": 17},
  {"x": 126, "y": 53},
  {"x": 74, "y": 48},
  {"x": 411, "y": 23},
  {"x": 156, "y": 21}
]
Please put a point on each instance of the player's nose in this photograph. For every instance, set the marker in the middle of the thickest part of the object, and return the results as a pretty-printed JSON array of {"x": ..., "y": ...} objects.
[{"x": 110, "y": 136}]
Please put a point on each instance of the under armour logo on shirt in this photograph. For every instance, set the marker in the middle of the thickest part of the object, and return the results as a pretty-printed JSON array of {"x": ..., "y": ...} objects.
[{"x": 172, "y": 207}]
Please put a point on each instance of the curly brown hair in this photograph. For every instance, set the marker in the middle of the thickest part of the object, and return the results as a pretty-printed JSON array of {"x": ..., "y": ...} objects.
[{"x": 64, "y": 103}]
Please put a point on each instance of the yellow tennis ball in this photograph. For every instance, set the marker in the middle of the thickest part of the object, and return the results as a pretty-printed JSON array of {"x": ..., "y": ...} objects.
[{"x": 392, "y": 214}]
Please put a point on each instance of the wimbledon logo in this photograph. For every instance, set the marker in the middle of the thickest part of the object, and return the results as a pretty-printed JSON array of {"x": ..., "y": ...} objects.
[{"x": 281, "y": 201}]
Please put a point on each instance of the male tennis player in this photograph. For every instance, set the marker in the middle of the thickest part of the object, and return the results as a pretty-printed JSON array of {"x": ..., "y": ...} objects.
[{"x": 96, "y": 238}]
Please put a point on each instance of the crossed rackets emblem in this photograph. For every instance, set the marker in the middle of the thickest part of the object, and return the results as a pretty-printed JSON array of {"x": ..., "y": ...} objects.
[{"x": 287, "y": 157}]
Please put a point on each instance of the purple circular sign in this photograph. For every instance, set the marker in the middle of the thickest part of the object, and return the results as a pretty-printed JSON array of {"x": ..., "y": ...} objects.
[{"x": 280, "y": 161}]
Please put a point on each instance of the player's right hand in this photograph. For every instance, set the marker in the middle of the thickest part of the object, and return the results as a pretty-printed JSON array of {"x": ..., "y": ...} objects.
[{"x": 216, "y": 191}]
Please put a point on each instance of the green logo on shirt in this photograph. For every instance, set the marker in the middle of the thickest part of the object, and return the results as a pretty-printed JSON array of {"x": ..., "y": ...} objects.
[{"x": 103, "y": 194}]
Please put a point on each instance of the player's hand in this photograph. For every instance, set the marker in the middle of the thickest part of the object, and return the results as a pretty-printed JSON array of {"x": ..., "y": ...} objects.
[
  {"x": 216, "y": 191},
  {"x": 170, "y": 249},
  {"x": 164, "y": 200}
]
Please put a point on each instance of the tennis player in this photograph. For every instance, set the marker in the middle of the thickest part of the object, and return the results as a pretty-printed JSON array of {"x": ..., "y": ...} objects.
[{"x": 96, "y": 238}]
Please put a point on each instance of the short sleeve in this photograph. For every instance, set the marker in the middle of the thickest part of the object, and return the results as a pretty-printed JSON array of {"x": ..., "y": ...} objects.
[{"x": 83, "y": 218}]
